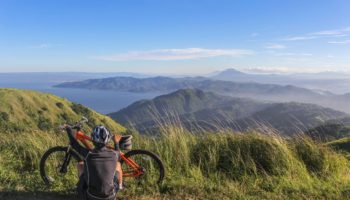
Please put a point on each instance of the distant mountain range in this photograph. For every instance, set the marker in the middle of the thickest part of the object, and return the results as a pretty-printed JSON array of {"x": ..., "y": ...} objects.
[
  {"x": 32, "y": 78},
  {"x": 198, "y": 110},
  {"x": 257, "y": 91},
  {"x": 331, "y": 81}
]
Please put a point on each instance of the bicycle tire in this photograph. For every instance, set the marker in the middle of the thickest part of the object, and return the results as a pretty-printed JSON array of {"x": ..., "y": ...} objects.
[
  {"x": 47, "y": 154},
  {"x": 153, "y": 156}
]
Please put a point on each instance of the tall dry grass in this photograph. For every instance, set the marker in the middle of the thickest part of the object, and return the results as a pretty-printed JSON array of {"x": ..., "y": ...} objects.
[{"x": 228, "y": 165}]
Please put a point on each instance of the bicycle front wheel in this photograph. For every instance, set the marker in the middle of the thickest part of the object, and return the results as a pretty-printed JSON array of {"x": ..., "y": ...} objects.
[
  {"x": 149, "y": 172},
  {"x": 58, "y": 168}
]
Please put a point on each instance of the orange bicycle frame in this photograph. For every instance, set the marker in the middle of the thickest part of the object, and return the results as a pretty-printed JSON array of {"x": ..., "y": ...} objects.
[{"x": 136, "y": 169}]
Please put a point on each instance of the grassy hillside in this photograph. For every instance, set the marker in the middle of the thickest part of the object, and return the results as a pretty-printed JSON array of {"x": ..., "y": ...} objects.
[
  {"x": 209, "y": 166},
  {"x": 24, "y": 110},
  {"x": 28, "y": 125},
  {"x": 341, "y": 145}
]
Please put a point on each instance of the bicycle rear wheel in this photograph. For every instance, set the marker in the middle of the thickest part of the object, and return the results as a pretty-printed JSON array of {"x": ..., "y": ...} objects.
[
  {"x": 150, "y": 165},
  {"x": 58, "y": 168}
]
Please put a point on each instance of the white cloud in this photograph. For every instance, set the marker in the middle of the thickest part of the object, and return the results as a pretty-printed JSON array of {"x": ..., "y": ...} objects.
[
  {"x": 340, "y": 42},
  {"x": 320, "y": 34},
  {"x": 337, "y": 32},
  {"x": 275, "y": 46},
  {"x": 298, "y": 38},
  {"x": 175, "y": 54},
  {"x": 292, "y": 54},
  {"x": 41, "y": 46},
  {"x": 45, "y": 45},
  {"x": 278, "y": 70}
]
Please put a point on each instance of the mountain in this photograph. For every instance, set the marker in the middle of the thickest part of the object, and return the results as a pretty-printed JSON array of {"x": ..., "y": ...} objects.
[
  {"x": 36, "y": 78},
  {"x": 257, "y": 91},
  {"x": 198, "y": 110},
  {"x": 332, "y": 81},
  {"x": 129, "y": 84},
  {"x": 25, "y": 110},
  {"x": 166, "y": 84},
  {"x": 187, "y": 103},
  {"x": 229, "y": 74},
  {"x": 291, "y": 117}
]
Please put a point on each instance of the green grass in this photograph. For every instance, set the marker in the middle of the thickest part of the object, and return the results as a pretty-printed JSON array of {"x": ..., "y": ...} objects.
[
  {"x": 25, "y": 110},
  {"x": 207, "y": 166}
]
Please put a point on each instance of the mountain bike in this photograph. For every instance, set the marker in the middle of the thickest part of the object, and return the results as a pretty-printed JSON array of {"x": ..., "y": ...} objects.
[{"x": 58, "y": 164}]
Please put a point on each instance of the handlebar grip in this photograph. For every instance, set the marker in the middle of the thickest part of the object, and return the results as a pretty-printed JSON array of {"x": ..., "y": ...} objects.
[{"x": 61, "y": 127}]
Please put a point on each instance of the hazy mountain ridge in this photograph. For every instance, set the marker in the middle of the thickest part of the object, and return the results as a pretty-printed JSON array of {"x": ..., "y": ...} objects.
[
  {"x": 177, "y": 103},
  {"x": 291, "y": 117},
  {"x": 336, "y": 82},
  {"x": 167, "y": 84},
  {"x": 197, "y": 109},
  {"x": 258, "y": 91}
]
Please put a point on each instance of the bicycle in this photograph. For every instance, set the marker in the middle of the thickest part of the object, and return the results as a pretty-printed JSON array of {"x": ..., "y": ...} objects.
[{"x": 142, "y": 165}]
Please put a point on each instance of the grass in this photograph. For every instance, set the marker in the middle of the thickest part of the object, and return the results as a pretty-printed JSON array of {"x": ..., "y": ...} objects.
[
  {"x": 204, "y": 166},
  {"x": 25, "y": 110}
]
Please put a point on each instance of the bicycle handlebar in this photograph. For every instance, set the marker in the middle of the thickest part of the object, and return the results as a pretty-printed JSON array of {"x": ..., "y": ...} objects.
[{"x": 77, "y": 125}]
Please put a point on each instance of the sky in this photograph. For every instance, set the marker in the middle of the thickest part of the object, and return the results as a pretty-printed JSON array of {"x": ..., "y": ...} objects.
[{"x": 174, "y": 36}]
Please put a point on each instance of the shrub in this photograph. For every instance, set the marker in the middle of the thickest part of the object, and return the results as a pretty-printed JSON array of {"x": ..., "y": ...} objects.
[
  {"x": 318, "y": 158},
  {"x": 59, "y": 105},
  {"x": 241, "y": 155},
  {"x": 65, "y": 117},
  {"x": 44, "y": 123},
  {"x": 313, "y": 158},
  {"x": 44, "y": 108},
  {"x": 81, "y": 110},
  {"x": 4, "y": 116}
]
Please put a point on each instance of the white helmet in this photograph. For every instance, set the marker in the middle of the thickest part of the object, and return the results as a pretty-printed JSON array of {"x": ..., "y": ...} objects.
[{"x": 100, "y": 135}]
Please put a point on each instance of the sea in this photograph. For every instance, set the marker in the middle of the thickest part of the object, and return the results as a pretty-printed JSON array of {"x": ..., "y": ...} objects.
[{"x": 103, "y": 101}]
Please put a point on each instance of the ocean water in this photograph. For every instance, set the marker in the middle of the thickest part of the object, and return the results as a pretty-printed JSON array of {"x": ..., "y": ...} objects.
[{"x": 102, "y": 101}]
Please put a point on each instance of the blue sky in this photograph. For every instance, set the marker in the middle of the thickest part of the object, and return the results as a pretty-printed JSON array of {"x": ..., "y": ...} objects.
[{"x": 174, "y": 36}]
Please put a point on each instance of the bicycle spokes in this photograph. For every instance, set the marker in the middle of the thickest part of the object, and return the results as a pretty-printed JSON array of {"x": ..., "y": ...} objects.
[{"x": 60, "y": 168}]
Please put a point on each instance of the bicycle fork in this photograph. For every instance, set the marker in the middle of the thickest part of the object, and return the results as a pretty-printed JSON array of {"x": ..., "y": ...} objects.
[{"x": 67, "y": 157}]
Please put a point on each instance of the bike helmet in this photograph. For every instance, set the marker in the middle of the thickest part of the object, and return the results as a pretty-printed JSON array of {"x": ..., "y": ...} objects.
[{"x": 100, "y": 135}]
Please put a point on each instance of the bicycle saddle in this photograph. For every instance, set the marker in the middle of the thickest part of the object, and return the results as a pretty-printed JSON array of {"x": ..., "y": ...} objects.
[
  {"x": 126, "y": 138},
  {"x": 125, "y": 142}
]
